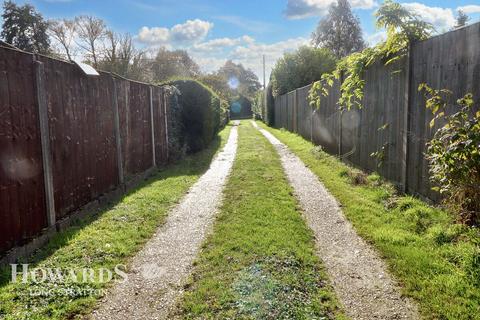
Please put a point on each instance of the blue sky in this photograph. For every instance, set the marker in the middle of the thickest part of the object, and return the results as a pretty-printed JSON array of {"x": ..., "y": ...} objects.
[{"x": 215, "y": 30}]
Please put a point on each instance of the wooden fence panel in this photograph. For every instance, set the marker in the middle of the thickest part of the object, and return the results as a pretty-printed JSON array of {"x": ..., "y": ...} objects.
[
  {"x": 393, "y": 120},
  {"x": 277, "y": 112},
  {"x": 82, "y": 128},
  {"x": 135, "y": 126},
  {"x": 450, "y": 61},
  {"x": 326, "y": 121},
  {"x": 377, "y": 126},
  {"x": 22, "y": 194},
  {"x": 304, "y": 110},
  {"x": 290, "y": 101},
  {"x": 82, "y": 136}
]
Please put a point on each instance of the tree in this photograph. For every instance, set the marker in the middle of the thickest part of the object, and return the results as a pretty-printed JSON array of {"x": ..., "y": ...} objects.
[
  {"x": 171, "y": 64},
  {"x": 339, "y": 31},
  {"x": 300, "y": 68},
  {"x": 462, "y": 19},
  {"x": 121, "y": 57},
  {"x": 403, "y": 27},
  {"x": 25, "y": 28},
  {"x": 242, "y": 81},
  {"x": 110, "y": 60},
  {"x": 63, "y": 32},
  {"x": 219, "y": 84},
  {"x": 91, "y": 31}
]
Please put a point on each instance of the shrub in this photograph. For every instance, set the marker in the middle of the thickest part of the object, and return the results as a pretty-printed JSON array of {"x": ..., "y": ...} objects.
[
  {"x": 301, "y": 68},
  {"x": 454, "y": 153},
  {"x": 201, "y": 113}
]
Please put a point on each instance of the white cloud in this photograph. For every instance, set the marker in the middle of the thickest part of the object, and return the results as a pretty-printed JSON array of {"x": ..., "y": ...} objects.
[
  {"x": 222, "y": 43},
  {"x": 441, "y": 18},
  {"x": 153, "y": 35},
  {"x": 375, "y": 38},
  {"x": 192, "y": 31},
  {"x": 300, "y": 9},
  {"x": 470, "y": 9},
  {"x": 247, "y": 51}
]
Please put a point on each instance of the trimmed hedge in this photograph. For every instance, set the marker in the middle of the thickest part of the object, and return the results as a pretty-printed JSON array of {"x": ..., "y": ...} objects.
[
  {"x": 202, "y": 114},
  {"x": 176, "y": 140}
]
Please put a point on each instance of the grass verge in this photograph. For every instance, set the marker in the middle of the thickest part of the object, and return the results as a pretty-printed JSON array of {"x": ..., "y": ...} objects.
[
  {"x": 259, "y": 262},
  {"x": 437, "y": 261},
  {"x": 109, "y": 238}
]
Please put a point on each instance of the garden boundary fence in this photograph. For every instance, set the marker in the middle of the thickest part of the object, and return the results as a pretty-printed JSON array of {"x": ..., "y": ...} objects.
[
  {"x": 67, "y": 138},
  {"x": 389, "y": 133}
]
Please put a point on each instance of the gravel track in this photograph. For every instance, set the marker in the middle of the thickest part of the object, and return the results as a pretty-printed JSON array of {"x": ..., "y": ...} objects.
[
  {"x": 358, "y": 275},
  {"x": 156, "y": 275}
]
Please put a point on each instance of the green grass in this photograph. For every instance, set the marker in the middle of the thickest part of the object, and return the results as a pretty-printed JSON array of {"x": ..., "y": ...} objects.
[
  {"x": 259, "y": 262},
  {"x": 112, "y": 236},
  {"x": 436, "y": 260}
]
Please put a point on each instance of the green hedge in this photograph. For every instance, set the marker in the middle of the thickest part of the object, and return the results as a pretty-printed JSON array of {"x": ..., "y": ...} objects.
[
  {"x": 202, "y": 114},
  {"x": 224, "y": 113}
]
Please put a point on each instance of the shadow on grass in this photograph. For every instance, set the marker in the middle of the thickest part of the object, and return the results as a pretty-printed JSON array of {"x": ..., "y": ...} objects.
[{"x": 193, "y": 164}]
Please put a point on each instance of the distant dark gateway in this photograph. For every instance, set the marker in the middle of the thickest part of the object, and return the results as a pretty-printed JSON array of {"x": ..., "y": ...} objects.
[{"x": 241, "y": 108}]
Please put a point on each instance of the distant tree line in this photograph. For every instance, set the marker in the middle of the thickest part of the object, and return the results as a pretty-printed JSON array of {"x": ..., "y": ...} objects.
[{"x": 89, "y": 39}]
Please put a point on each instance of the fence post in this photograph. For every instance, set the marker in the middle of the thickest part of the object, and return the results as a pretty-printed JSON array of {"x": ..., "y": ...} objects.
[
  {"x": 118, "y": 140},
  {"x": 340, "y": 118},
  {"x": 295, "y": 111},
  {"x": 165, "y": 114},
  {"x": 152, "y": 125},
  {"x": 40, "y": 96},
  {"x": 406, "y": 120}
]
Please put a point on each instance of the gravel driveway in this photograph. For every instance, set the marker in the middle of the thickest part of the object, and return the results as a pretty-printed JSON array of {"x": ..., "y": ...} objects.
[
  {"x": 157, "y": 273},
  {"x": 357, "y": 273}
]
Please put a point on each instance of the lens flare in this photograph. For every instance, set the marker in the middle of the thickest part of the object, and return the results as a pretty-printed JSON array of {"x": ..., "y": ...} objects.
[
  {"x": 233, "y": 82},
  {"x": 236, "y": 107}
]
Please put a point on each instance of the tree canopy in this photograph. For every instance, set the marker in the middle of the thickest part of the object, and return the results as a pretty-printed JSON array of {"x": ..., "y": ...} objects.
[
  {"x": 303, "y": 67},
  {"x": 241, "y": 80},
  {"x": 25, "y": 28},
  {"x": 339, "y": 31},
  {"x": 170, "y": 64},
  {"x": 219, "y": 84}
]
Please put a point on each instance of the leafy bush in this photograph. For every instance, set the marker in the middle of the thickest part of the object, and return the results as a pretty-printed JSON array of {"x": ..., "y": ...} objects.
[
  {"x": 454, "y": 153},
  {"x": 403, "y": 28},
  {"x": 201, "y": 113},
  {"x": 301, "y": 68}
]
